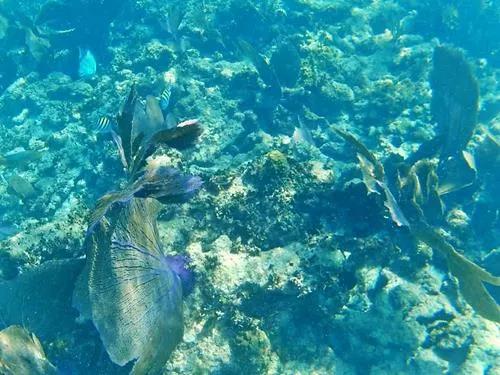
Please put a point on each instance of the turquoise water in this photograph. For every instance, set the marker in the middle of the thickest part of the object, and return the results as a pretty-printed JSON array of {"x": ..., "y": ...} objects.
[{"x": 237, "y": 187}]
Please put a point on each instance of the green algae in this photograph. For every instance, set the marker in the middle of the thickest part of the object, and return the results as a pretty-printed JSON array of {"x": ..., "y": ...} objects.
[{"x": 271, "y": 186}]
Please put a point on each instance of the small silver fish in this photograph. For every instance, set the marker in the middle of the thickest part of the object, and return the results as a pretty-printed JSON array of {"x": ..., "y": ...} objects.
[
  {"x": 87, "y": 64},
  {"x": 188, "y": 123},
  {"x": 302, "y": 134}
]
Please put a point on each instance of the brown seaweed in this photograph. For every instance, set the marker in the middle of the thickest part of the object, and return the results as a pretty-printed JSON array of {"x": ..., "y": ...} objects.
[
  {"x": 165, "y": 184},
  {"x": 419, "y": 196},
  {"x": 471, "y": 277},
  {"x": 420, "y": 186},
  {"x": 378, "y": 170},
  {"x": 454, "y": 107},
  {"x": 129, "y": 289},
  {"x": 457, "y": 172},
  {"x": 264, "y": 68},
  {"x": 142, "y": 129},
  {"x": 374, "y": 177},
  {"x": 124, "y": 122},
  {"x": 455, "y": 98}
]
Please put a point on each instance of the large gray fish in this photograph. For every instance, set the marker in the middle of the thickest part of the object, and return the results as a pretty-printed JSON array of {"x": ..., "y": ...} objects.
[
  {"x": 6, "y": 231},
  {"x": 20, "y": 158},
  {"x": 40, "y": 300}
]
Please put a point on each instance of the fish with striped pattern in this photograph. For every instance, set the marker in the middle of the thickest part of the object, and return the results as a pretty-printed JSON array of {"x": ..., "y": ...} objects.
[
  {"x": 104, "y": 124},
  {"x": 165, "y": 97}
]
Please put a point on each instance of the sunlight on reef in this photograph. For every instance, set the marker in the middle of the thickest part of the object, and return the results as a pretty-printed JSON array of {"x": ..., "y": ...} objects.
[{"x": 250, "y": 187}]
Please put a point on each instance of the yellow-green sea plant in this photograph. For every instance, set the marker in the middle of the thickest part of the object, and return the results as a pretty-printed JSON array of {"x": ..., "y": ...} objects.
[
  {"x": 128, "y": 288},
  {"x": 419, "y": 192},
  {"x": 22, "y": 353}
]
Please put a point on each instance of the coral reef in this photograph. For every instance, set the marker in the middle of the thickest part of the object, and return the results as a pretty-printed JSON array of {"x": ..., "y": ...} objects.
[{"x": 298, "y": 269}]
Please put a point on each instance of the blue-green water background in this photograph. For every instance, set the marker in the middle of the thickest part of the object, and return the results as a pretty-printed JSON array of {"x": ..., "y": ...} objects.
[{"x": 360, "y": 65}]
